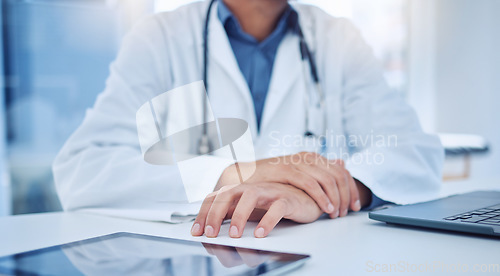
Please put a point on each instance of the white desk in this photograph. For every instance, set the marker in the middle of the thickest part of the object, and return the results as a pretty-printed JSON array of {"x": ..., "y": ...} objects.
[{"x": 338, "y": 247}]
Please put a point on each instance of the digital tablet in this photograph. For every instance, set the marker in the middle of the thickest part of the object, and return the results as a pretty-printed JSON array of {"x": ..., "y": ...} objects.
[{"x": 134, "y": 254}]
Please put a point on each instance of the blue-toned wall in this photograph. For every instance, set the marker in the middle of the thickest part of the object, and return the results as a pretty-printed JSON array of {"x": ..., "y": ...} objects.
[
  {"x": 58, "y": 59},
  {"x": 5, "y": 198},
  {"x": 467, "y": 75}
]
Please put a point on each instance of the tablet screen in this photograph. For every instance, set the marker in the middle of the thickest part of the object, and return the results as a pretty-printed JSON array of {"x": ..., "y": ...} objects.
[{"x": 133, "y": 254}]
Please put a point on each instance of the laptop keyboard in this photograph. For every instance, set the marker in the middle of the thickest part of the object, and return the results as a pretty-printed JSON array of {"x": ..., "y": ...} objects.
[{"x": 489, "y": 215}]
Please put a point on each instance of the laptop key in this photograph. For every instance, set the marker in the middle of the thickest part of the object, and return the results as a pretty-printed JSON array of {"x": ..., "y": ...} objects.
[
  {"x": 489, "y": 223},
  {"x": 473, "y": 219},
  {"x": 477, "y": 213},
  {"x": 487, "y": 215},
  {"x": 492, "y": 219},
  {"x": 483, "y": 210},
  {"x": 494, "y": 207},
  {"x": 463, "y": 215},
  {"x": 480, "y": 212}
]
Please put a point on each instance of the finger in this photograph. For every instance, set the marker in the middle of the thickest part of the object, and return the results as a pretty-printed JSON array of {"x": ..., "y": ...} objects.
[
  {"x": 318, "y": 163},
  {"x": 199, "y": 222},
  {"x": 344, "y": 190},
  {"x": 223, "y": 200},
  {"x": 327, "y": 182},
  {"x": 355, "y": 202},
  {"x": 337, "y": 193},
  {"x": 275, "y": 213},
  {"x": 309, "y": 185},
  {"x": 333, "y": 194},
  {"x": 242, "y": 212}
]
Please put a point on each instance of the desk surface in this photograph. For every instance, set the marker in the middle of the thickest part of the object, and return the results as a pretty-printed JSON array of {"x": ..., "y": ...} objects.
[{"x": 352, "y": 245}]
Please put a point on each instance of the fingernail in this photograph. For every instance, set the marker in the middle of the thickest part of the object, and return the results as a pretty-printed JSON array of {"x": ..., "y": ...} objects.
[
  {"x": 357, "y": 205},
  {"x": 195, "y": 229},
  {"x": 233, "y": 231},
  {"x": 330, "y": 208},
  {"x": 209, "y": 231},
  {"x": 344, "y": 212},
  {"x": 259, "y": 233}
]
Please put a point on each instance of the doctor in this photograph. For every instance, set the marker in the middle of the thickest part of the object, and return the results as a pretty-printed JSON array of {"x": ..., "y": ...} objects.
[{"x": 292, "y": 72}]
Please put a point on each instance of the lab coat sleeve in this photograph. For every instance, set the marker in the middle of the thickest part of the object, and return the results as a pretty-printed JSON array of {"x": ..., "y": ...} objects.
[
  {"x": 389, "y": 152},
  {"x": 101, "y": 168}
]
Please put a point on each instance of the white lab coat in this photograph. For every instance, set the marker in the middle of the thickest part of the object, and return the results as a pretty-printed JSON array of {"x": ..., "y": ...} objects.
[{"x": 101, "y": 168}]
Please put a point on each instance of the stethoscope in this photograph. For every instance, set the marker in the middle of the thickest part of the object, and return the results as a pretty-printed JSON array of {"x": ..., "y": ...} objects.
[{"x": 204, "y": 144}]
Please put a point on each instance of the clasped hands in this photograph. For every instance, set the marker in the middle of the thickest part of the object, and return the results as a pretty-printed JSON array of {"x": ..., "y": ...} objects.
[{"x": 299, "y": 187}]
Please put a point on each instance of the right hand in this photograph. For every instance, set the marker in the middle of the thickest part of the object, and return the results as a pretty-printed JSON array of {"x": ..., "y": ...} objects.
[
  {"x": 238, "y": 202},
  {"x": 325, "y": 181}
]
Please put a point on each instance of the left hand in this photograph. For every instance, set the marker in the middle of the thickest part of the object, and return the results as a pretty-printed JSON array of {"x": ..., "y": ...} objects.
[
  {"x": 238, "y": 202},
  {"x": 328, "y": 182}
]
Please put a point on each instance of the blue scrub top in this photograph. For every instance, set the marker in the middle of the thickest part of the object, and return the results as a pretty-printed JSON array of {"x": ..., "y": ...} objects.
[{"x": 255, "y": 58}]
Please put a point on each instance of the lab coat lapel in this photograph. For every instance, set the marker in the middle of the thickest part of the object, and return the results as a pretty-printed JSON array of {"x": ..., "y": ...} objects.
[
  {"x": 220, "y": 52},
  {"x": 286, "y": 71}
]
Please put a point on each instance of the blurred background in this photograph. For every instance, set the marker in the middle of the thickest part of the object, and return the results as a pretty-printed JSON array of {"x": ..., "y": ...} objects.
[{"x": 441, "y": 55}]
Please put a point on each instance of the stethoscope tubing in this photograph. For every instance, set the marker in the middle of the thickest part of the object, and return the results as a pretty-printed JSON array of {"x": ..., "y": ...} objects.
[{"x": 204, "y": 146}]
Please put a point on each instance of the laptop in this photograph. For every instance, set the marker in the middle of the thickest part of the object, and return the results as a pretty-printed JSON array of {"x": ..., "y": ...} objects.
[
  {"x": 134, "y": 254},
  {"x": 475, "y": 212}
]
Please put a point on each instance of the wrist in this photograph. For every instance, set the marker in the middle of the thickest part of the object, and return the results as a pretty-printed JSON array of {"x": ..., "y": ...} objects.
[{"x": 365, "y": 194}]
